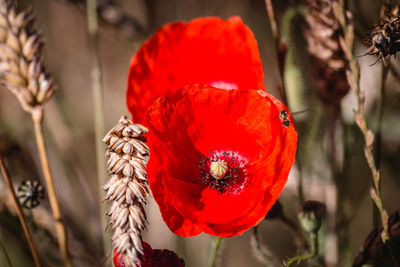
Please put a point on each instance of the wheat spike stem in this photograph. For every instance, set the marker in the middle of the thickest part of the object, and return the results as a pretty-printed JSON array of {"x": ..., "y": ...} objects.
[
  {"x": 20, "y": 213},
  {"x": 51, "y": 191},
  {"x": 24, "y": 74}
]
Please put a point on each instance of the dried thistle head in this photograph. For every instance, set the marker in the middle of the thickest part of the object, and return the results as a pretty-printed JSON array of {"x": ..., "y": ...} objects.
[
  {"x": 329, "y": 61},
  {"x": 374, "y": 251},
  {"x": 127, "y": 187},
  {"x": 30, "y": 194},
  {"x": 21, "y": 67},
  {"x": 384, "y": 38}
]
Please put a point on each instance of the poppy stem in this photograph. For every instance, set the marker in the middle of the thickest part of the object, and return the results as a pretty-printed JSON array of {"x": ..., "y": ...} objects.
[
  {"x": 20, "y": 213},
  {"x": 313, "y": 254},
  {"x": 215, "y": 249}
]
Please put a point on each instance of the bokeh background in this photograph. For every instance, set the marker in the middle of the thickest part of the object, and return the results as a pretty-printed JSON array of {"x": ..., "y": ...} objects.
[{"x": 69, "y": 129}]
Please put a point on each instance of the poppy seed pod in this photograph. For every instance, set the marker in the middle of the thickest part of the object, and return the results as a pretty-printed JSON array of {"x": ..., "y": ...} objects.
[{"x": 311, "y": 214}]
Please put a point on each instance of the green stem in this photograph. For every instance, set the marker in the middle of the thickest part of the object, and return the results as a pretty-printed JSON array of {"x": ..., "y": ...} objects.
[
  {"x": 313, "y": 254},
  {"x": 3, "y": 249},
  {"x": 98, "y": 106},
  {"x": 214, "y": 254}
]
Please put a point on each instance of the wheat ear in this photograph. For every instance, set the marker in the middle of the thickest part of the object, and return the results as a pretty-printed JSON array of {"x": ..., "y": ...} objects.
[
  {"x": 127, "y": 189},
  {"x": 23, "y": 73}
]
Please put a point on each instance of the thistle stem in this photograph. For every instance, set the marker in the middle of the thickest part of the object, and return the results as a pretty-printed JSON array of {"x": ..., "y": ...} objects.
[
  {"x": 214, "y": 254},
  {"x": 381, "y": 104},
  {"x": 313, "y": 254},
  {"x": 20, "y": 213},
  {"x": 378, "y": 133},
  {"x": 98, "y": 110},
  {"x": 51, "y": 191}
]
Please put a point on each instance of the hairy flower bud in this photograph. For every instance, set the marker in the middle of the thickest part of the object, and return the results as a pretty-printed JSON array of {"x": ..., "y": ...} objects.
[{"x": 311, "y": 214}]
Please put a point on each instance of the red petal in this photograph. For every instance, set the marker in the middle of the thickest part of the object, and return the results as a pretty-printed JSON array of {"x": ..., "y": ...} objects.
[
  {"x": 118, "y": 259},
  {"x": 152, "y": 258},
  {"x": 186, "y": 125},
  {"x": 222, "y": 53}
]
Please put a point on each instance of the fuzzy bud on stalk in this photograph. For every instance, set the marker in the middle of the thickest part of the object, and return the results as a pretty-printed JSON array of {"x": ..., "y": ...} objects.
[{"x": 311, "y": 214}]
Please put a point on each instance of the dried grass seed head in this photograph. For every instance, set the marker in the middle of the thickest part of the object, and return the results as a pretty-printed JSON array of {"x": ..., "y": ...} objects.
[
  {"x": 329, "y": 61},
  {"x": 127, "y": 187},
  {"x": 21, "y": 66}
]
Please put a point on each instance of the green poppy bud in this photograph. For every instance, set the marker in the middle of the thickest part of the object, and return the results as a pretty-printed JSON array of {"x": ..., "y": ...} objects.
[{"x": 310, "y": 214}]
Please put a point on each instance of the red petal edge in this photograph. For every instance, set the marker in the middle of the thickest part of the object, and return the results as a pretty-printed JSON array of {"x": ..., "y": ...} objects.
[
  {"x": 152, "y": 258},
  {"x": 222, "y": 53}
]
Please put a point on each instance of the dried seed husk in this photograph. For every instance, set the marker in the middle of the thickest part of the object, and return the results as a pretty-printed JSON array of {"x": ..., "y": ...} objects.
[{"x": 127, "y": 187}]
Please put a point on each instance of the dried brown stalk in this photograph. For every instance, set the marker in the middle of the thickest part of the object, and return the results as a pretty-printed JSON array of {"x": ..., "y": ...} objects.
[
  {"x": 23, "y": 73},
  {"x": 280, "y": 47},
  {"x": 20, "y": 213},
  {"x": 127, "y": 188},
  {"x": 374, "y": 252},
  {"x": 353, "y": 77},
  {"x": 98, "y": 107}
]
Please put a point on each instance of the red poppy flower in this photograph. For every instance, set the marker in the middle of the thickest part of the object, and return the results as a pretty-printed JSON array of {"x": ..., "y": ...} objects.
[
  {"x": 152, "y": 258},
  {"x": 221, "y": 53},
  {"x": 219, "y": 158}
]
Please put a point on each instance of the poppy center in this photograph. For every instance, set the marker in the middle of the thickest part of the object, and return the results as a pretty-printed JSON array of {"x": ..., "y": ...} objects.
[
  {"x": 223, "y": 171},
  {"x": 218, "y": 169}
]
